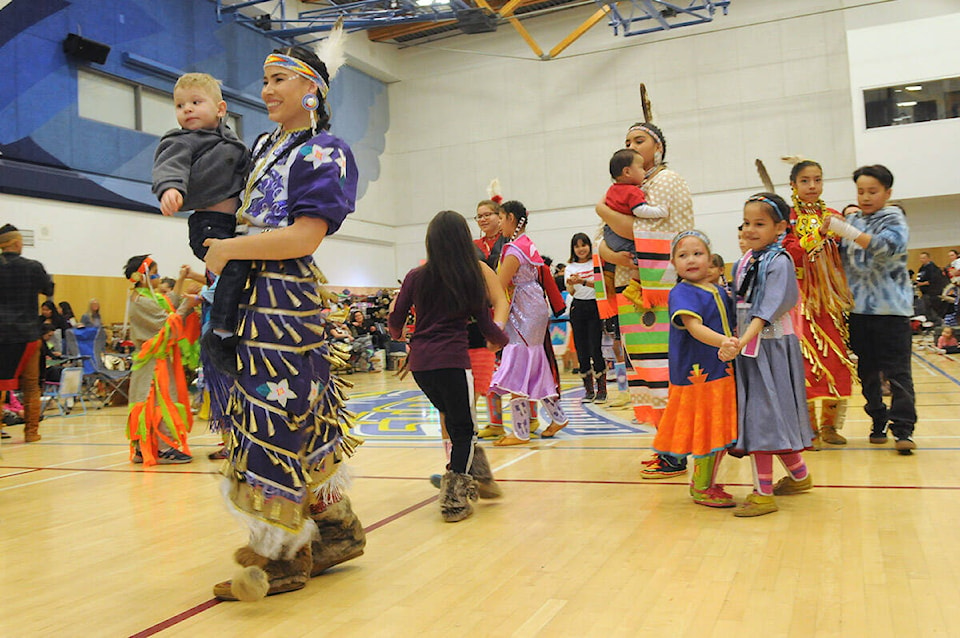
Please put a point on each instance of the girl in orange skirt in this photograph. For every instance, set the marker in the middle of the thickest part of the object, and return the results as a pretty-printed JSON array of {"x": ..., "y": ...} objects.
[{"x": 701, "y": 414}]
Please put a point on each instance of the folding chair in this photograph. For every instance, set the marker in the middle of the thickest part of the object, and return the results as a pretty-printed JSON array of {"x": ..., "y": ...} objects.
[
  {"x": 78, "y": 347},
  {"x": 113, "y": 380},
  {"x": 70, "y": 386}
]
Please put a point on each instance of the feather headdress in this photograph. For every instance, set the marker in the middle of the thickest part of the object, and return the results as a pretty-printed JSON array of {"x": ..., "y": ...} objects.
[
  {"x": 645, "y": 103},
  {"x": 332, "y": 51},
  {"x": 764, "y": 176},
  {"x": 493, "y": 191}
]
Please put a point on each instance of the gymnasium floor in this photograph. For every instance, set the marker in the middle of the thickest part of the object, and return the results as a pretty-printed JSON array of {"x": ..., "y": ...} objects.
[{"x": 579, "y": 545}]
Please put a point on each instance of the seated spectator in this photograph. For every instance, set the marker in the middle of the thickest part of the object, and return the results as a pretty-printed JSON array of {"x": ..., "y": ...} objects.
[
  {"x": 92, "y": 316},
  {"x": 49, "y": 314},
  {"x": 947, "y": 343},
  {"x": 67, "y": 313}
]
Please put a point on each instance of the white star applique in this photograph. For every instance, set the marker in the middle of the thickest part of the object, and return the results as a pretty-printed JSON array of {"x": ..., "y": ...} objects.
[
  {"x": 317, "y": 155},
  {"x": 280, "y": 392},
  {"x": 341, "y": 161},
  {"x": 314, "y": 392}
]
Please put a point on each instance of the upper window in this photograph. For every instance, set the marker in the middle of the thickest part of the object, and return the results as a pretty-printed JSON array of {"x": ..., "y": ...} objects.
[
  {"x": 914, "y": 102},
  {"x": 121, "y": 103}
]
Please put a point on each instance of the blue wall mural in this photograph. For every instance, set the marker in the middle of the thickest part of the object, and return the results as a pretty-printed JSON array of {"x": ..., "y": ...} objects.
[{"x": 48, "y": 150}]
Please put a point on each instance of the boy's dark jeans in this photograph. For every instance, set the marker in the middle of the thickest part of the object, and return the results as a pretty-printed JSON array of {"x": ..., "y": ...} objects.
[
  {"x": 205, "y": 224},
  {"x": 883, "y": 344}
]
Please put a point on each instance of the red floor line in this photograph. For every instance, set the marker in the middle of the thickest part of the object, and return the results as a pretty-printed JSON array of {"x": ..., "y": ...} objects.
[
  {"x": 173, "y": 620},
  {"x": 28, "y": 471},
  {"x": 193, "y": 611},
  {"x": 98, "y": 469},
  {"x": 662, "y": 482}
]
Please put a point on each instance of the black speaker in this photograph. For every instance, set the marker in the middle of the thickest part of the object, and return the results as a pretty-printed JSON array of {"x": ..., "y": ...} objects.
[{"x": 84, "y": 49}]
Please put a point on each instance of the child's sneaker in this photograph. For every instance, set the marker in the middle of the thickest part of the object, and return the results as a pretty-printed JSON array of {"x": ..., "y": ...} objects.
[
  {"x": 756, "y": 505},
  {"x": 878, "y": 435},
  {"x": 173, "y": 456},
  {"x": 714, "y": 496},
  {"x": 905, "y": 445},
  {"x": 663, "y": 466}
]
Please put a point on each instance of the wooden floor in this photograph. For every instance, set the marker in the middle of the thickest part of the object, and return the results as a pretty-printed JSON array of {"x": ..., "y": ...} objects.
[{"x": 579, "y": 545}]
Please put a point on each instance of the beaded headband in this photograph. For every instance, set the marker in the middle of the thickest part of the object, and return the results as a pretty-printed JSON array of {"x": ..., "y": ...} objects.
[
  {"x": 648, "y": 130},
  {"x": 769, "y": 202},
  {"x": 299, "y": 67},
  {"x": 688, "y": 233}
]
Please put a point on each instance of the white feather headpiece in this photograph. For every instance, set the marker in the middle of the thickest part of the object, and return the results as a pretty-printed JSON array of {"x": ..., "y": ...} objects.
[
  {"x": 493, "y": 191},
  {"x": 332, "y": 51}
]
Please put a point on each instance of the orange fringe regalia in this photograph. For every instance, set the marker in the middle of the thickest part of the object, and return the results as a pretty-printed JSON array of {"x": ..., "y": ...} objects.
[
  {"x": 825, "y": 300},
  {"x": 701, "y": 413},
  {"x": 161, "y": 405}
]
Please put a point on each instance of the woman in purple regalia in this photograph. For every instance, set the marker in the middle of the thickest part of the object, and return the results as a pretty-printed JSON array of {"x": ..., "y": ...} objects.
[{"x": 287, "y": 424}]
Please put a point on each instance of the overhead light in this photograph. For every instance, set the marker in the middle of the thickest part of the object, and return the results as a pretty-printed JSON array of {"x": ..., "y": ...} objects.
[
  {"x": 915, "y": 87},
  {"x": 904, "y": 104}
]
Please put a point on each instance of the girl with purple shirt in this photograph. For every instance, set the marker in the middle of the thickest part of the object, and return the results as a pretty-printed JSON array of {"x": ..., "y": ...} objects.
[{"x": 449, "y": 290}]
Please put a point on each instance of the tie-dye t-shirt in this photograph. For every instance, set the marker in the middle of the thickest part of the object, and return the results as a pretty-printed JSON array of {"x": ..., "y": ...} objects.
[{"x": 877, "y": 274}]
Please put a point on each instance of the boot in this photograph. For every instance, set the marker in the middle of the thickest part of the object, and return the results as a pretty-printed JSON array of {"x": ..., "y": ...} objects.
[
  {"x": 601, "y": 379},
  {"x": 588, "y": 394},
  {"x": 832, "y": 415},
  {"x": 456, "y": 492},
  {"x": 480, "y": 470},
  {"x": 262, "y": 576},
  {"x": 31, "y": 432},
  {"x": 816, "y": 444},
  {"x": 558, "y": 419},
  {"x": 341, "y": 536},
  {"x": 703, "y": 488}
]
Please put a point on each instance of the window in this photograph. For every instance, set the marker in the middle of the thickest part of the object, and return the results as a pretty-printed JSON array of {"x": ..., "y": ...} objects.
[
  {"x": 913, "y": 102},
  {"x": 121, "y": 103}
]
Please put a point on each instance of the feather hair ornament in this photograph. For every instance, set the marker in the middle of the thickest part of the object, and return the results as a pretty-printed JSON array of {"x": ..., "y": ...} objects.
[
  {"x": 645, "y": 103},
  {"x": 793, "y": 160},
  {"x": 764, "y": 176},
  {"x": 332, "y": 51},
  {"x": 493, "y": 191}
]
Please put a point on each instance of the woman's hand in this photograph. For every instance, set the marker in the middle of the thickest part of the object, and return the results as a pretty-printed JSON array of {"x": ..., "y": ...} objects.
[
  {"x": 216, "y": 254},
  {"x": 624, "y": 258}
]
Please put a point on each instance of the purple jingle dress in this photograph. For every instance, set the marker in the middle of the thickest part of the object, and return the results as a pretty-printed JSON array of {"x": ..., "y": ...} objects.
[
  {"x": 524, "y": 367},
  {"x": 288, "y": 426}
]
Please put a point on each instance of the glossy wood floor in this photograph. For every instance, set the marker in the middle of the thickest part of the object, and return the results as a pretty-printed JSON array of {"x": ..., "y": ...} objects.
[{"x": 579, "y": 545}]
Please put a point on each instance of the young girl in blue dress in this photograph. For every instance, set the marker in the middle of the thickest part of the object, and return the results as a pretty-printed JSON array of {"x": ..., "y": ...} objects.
[
  {"x": 701, "y": 415},
  {"x": 771, "y": 395}
]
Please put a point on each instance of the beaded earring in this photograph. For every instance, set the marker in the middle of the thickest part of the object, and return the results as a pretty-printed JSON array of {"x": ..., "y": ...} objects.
[{"x": 311, "y": 103}]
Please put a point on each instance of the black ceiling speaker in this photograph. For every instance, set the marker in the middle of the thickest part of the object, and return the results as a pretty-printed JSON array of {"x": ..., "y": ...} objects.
[{"x": 84, "y": 49}]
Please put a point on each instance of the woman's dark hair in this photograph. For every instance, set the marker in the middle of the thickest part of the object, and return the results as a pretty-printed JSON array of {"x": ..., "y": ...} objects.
[
  {"x": 452, "y": 279},
  {"x": 133, "y": 264},
  {"x": 657, "y": 133},
  {"x": 799, "y": 166},
  {"x": 579, "y": 238},
  {"x": 778, "y": 214},
  {"x": 66, "y": 310},
  {"x": 52, "y": 307},
  {"x": 877, "y": 171},
  {"x": 515, "y": 208},
  {"x": 310, "y": 59}
]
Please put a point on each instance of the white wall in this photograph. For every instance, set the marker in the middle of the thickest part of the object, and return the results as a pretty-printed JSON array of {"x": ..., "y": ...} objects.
[
  {"x": 924, "y": 156},
  {"x": 770, "y": 78},
  {"x": 86, "y": 240}
]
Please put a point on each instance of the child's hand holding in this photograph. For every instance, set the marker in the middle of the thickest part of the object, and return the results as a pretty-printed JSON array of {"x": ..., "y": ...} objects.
[
  {"x": 171, "y": 201},
  {"x": 729, "y": 349}
]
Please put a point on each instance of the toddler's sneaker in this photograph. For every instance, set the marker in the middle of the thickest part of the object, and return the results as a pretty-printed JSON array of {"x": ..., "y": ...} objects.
[
  {"x": 663, "y": 466},
  {"x": 905, "y": 445},
  {"x": 173, "y": 456}
]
